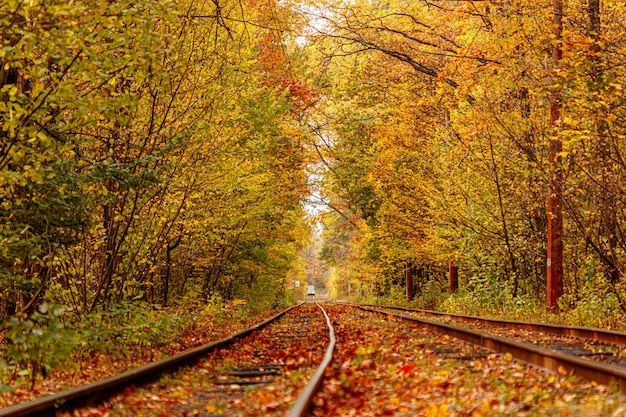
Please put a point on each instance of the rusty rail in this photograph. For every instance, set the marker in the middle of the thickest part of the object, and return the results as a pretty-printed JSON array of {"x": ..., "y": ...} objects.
[
  {"x": 544, "y": 358},
  {"x": 592, "y": 333},
  {"x": 304, "y": 400},
  {"x": 104, "y": 388}
]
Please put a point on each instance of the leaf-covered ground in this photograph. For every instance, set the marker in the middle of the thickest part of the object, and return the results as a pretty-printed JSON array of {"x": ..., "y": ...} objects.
[
  {"x": 89, "y": 367},
  {"x": 293, "y": 347},
  {"x": 384, "y": 367}
]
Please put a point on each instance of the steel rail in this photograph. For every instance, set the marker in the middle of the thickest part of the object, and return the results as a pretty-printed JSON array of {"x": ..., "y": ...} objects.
[
  {"x": 104, "y": 388},
  {"x": 539, "y": 356},
  {"x": 592, "y": 333},
  {"x": 303, "y": 402}
]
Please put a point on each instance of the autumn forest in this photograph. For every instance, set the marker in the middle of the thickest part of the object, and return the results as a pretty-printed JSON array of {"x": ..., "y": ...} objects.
[{"x": 168, "y": 155}]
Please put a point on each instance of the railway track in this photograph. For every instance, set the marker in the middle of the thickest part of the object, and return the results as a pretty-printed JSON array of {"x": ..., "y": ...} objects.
[
  {"x": 386, "y": 365},
  {"x": 596, "y": 354},
  {"x": 266, "y": 365},
  {"x": 382, "y": 364}
]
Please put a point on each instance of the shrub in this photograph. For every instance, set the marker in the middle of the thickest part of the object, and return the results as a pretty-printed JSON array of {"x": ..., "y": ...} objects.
[
  {"x": 39, "y": 343},
  {"x": 126, "y": 323}
]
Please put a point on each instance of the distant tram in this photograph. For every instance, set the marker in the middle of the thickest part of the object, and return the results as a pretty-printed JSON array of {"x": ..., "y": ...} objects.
[{"x": 310, "y": 290}]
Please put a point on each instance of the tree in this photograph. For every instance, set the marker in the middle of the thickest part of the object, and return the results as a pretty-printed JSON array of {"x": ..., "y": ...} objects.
[
  {"x": 465, "y": 172},
  {"x": 118, "y": 121}
]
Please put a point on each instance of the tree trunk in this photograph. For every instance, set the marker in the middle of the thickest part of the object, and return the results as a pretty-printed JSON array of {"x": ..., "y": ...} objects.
[
  {"x": 409, "y": 276},
  {"x": 454, "y": 277},
  {"x": 555, "y": 199},
  {"x": 168, "y": 268}
]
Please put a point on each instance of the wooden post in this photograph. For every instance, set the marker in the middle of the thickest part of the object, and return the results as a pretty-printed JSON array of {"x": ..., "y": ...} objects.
[
  {"x": 409, "y": 280},
  {"x": 454, "y": 277},
  {"x": 554, "y": 279}
]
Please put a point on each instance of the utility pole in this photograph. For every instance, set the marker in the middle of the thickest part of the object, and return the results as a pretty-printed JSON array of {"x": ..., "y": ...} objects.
[{"x": 554, "y": 282}]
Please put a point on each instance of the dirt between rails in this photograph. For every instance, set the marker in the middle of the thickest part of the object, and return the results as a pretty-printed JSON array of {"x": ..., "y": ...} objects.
[
  {"x": 387, "y": 367},
  {"x": 259, "y": 375}
]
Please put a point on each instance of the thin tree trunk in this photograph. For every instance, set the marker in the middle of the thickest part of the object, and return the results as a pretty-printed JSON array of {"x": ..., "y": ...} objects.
[
  {"x": 554, "y": 280},
  {"x": 168, "y": 268}
]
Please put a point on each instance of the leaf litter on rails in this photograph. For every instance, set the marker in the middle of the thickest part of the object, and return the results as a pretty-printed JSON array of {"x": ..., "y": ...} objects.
[
  {"x": 82, "y": 369},
  {"x": 387, "y": 367},
  {"x": 293, "y": 347},
  {"x": 588, "y": 349}
]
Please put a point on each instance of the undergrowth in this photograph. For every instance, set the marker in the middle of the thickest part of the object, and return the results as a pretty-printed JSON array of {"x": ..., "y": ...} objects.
[
  {"x": 52, "y": 338},
  {"x": 592, "y": 306}
]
